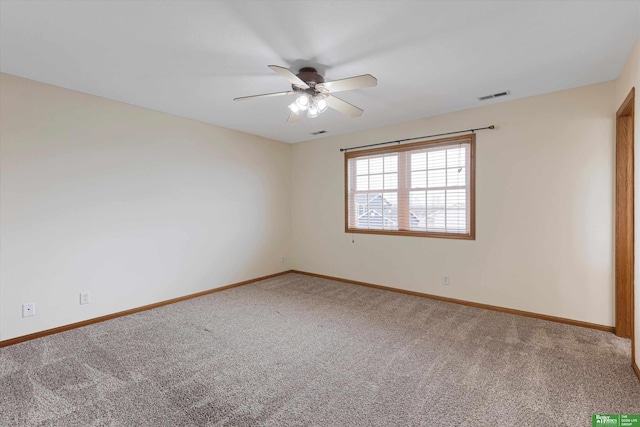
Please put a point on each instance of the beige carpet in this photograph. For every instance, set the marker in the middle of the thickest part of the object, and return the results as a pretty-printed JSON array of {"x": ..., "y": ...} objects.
[{"x": 301, "y": 351}]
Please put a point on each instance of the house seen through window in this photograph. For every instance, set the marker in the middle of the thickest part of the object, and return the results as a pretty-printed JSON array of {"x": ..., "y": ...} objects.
[{"x": 423, "y": 189}]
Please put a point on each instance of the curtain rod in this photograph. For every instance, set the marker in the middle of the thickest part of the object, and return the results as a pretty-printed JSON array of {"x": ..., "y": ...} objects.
[{"x": 398, "y": 141}]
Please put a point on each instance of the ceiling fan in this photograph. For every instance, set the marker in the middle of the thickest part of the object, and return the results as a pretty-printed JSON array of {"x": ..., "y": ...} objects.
[{"x": 316, "y": 95}]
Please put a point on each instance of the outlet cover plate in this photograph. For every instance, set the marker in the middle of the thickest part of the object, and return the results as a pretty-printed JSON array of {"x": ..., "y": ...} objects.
[
  {"x": 28, "y": 309},
  {"x": 85, "y": 297}
]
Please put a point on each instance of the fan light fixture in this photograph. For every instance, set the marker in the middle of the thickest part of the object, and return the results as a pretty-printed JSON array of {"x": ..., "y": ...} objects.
[
  {"x": 321, "y": 103},
  {"x": 312, "y": 111},
  {"x": 313, "y": 105}
]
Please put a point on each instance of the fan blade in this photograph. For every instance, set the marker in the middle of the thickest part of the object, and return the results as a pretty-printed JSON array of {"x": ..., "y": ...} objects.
[
  {"x": 266, "y": 95},
  {"x": 287, "y": 74},
  {"x": 343, "y": 106},
  {"x": 293, "y": 117},
  {"x": 358, "y": 82}
]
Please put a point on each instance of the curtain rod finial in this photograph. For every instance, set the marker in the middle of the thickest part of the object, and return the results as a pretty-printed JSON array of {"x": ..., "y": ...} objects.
[{"x": 492, "y": 127}]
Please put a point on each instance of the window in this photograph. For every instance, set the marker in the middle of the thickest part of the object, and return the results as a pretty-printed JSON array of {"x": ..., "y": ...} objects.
[{"x": 419, "y": 189}]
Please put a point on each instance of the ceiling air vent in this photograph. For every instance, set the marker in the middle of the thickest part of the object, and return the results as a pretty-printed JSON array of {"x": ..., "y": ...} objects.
[
  {"x": 495, "y": 95},
  {"x": 320, "y": 132}
]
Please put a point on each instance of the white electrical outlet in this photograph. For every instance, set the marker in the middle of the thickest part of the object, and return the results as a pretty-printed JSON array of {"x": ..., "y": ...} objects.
[
  {"x": 28, "y": 309},
  {"x": 445, "y": 280},
  {"x": 281, "y": 260},
  {"x": 85, "y": 297}
]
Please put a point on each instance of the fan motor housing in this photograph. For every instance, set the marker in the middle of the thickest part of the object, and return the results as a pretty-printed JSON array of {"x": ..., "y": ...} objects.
[{"x": 310, "y": 76}]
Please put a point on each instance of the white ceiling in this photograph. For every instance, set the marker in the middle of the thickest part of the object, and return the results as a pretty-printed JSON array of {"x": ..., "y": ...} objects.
[{"x": 191, "y": 58}]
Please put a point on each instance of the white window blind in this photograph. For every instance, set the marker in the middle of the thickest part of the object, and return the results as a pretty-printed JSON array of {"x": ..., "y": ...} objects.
[{"x": 424, "y": 188}]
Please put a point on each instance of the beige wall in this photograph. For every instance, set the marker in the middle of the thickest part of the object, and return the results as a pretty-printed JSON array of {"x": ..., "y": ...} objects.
[
  {"x": 132, "y": 205},
  {"x": 630, "y": 77},
  {"x": 137, "y": 206},
  {"x": 544, "y": 210}
]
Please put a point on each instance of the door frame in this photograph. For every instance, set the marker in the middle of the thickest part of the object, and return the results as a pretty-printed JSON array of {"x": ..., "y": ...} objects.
[{"x": 624, "y": 220}]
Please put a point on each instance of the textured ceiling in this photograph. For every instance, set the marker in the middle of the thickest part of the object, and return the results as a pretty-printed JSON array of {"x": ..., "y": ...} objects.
[{"x": 191, "y": 58}]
